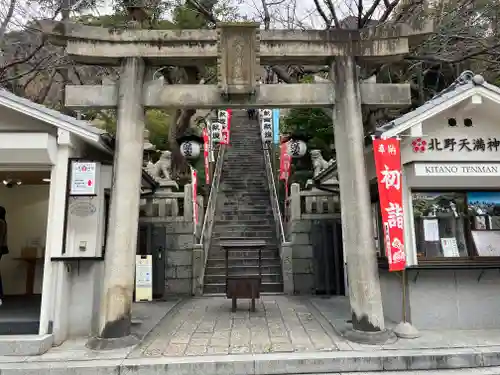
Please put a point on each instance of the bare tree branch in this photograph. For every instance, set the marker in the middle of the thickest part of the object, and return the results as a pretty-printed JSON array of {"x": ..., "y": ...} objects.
[{"x": 8, "y": 17}]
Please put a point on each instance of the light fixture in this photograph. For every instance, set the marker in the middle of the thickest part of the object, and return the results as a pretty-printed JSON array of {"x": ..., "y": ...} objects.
[
  {"x": 46, "y": 179},
  {"x": 10, "y": 183}
]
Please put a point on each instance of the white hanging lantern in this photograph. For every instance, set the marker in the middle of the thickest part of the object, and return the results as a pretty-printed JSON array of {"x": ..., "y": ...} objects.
[
  {"x": 296, "y": 148},
  {"x": 190, "y": 149}
]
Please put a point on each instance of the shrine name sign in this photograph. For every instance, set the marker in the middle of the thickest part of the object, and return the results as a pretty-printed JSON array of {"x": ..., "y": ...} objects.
[
  {"x": 421, "y": 145},
  {"x": 458, "y": 169}
]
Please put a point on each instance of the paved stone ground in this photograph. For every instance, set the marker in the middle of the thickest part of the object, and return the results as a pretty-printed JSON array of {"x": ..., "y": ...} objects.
[
  {"x": 337, "y": 311},
  {"x": 206, "y": 326}
]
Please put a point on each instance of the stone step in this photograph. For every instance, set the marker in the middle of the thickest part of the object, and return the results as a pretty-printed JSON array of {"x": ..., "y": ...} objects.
[
  {"x": 242, "y": 212},
  {"x": 243, "y": 270},
  {"x": 261, "y": 209},
  {"x": 243, "y": 229},
  {"x": 243, "y": 262},
  {"x": 244, "y": 236},
  {"x": 221, "y": 278},
  {"x": 250, "y": 188},
  {"x": 252, "y": 194},
  {"x": 246, "y": 206},
  {"x": 230, "y": 216},
  {"x": 257, "y": 191},
  {"x": 216, "y": 252},
  {"x": 257, "y": 225},
  {"x": 264, "y": 288}
]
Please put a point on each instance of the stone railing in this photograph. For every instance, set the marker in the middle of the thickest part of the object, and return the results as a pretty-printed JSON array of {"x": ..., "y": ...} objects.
[
  {"x": 310, "y": 205},
  {"x": 171, "y": 206},
  {"x": 271, "y": 180},
  {"x": 200, "y": 252}
]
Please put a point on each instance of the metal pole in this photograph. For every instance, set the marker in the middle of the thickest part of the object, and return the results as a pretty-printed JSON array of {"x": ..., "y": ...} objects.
[{"x": 403, "y": 280}]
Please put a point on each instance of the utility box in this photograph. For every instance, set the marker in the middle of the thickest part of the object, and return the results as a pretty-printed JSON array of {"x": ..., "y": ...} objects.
[
  {"x": 159, "y": 253},
  {"x": 152, "y": 242}
]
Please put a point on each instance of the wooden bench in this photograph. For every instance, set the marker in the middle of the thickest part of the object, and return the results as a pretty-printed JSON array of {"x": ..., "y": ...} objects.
[{"x": 243, "y": 286}]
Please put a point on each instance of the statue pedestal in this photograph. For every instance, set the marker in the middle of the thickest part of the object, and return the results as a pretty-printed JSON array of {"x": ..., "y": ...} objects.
[
  {"x": 167, "y": 206},
  {"x": 325, "y": 200}
]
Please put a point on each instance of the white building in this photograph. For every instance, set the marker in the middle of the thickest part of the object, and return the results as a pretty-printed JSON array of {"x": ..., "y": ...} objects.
[
  {"x": 450, "y": 150},
  {"x": 53, "y": 273}
]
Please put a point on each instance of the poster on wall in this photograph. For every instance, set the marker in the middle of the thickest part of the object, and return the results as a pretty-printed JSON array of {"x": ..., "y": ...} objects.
[
  {"x": 431, "y": 230},
  {"x": 487, "y": 242},
  {"x": 83, "y": 178},
  {"x": 484, "y": 206},
  {"x": 387, "y": 154},
  {"x": 450, "y": 247}
]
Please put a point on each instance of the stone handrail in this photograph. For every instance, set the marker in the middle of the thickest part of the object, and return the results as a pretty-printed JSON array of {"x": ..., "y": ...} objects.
[
  {"x": 200, "y": 253},
  {"x": 274, "y": 194},
  {"x": 166, "y": 206}
]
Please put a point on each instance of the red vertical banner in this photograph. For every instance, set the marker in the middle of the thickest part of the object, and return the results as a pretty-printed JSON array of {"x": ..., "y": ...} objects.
[
  {"x": 388, "y": 167},
  {"x": 285, "y": 164},
  {"x": 194, "y": 181},
  {"x": 229, "y": 117},
  {"x": 206, "y": 155}
]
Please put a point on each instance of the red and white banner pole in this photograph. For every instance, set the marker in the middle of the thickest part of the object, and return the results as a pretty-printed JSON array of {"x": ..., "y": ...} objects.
[{"x": 387, "y": 154}]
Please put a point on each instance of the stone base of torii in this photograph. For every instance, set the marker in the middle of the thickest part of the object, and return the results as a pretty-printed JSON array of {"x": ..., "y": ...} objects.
[{"x": 239, "y": 49}]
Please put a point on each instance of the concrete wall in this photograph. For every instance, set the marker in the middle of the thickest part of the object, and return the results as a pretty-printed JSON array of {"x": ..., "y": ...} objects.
[
  {"x": 302, "y": 256},
  {"x": 454, "y": 299},
  {"x": 391, "y": 289},
  {"x": 27, "y": 209},
  {"x": 179, "y": 266}
]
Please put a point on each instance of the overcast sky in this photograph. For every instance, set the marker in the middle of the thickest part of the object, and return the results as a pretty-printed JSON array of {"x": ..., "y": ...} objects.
[{"x": 303, "y": 12}]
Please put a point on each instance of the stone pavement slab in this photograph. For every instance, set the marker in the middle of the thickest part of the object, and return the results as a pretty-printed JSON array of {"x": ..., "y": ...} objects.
[
  {"x": 202, "y": 336},
  {"x": 337, "y": 312},
  {"x": 271, "y": 364},
  {"x": 206, "y": 326}
]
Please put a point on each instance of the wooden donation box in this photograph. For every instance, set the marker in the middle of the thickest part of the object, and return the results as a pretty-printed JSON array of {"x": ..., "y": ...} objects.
[{"x": 243, "y": 284}]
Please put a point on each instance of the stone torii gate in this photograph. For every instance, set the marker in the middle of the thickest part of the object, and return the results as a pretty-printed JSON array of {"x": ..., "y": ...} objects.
[{"x": 239, "y": 49}]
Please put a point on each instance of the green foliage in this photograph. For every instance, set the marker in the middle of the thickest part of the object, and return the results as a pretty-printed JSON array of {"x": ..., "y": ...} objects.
[
  {"x": 157, "y": 122},
  {"x": 318, "y": 128}
]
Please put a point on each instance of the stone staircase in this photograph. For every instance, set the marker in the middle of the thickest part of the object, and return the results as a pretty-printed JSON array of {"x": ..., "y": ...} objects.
[{"x": 244, "y": 212}]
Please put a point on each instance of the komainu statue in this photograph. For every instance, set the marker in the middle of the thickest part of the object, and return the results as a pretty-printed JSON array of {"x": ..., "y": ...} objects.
[
  {"x": 162, "y": 169},
  {"x": 319, "y": 164}
]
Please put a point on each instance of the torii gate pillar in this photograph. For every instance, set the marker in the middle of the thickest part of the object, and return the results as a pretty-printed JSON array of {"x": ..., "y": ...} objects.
[
  {"x": 364, "y": 285},
  {"x": 121, "y": 242}
]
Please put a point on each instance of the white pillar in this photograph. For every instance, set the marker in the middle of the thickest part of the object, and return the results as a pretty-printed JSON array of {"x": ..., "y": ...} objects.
[
  {"x": 364, "y": 285},
  {"x": 55, "y": 229},
  {"x": 119, "y": 264}
]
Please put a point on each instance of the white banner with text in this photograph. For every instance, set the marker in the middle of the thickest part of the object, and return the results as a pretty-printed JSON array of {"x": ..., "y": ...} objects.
[{"x": 457, "y": 169}]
